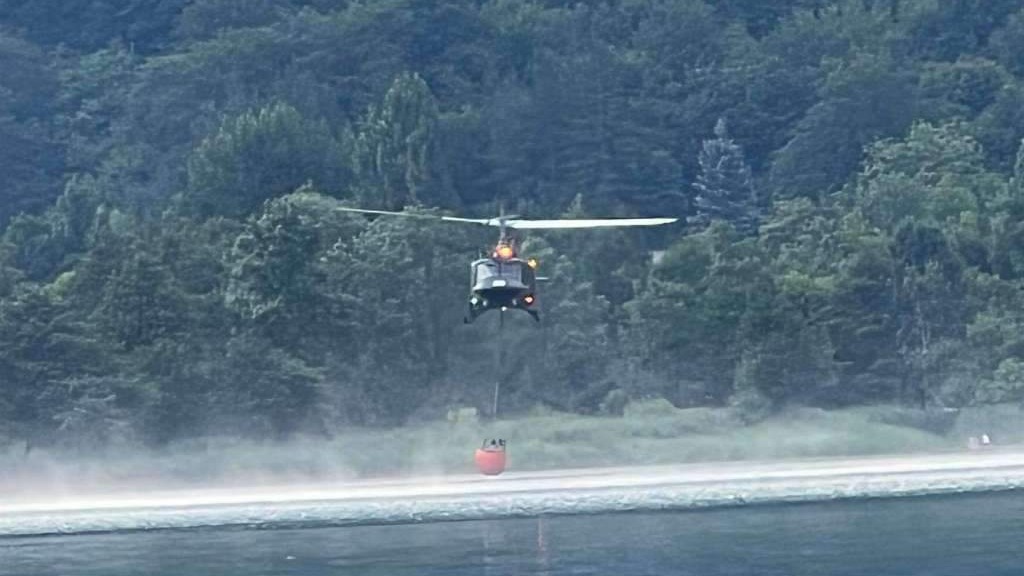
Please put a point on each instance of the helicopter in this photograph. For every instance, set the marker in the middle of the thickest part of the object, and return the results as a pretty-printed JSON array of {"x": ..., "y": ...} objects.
[{"x": 504, "y": 280}]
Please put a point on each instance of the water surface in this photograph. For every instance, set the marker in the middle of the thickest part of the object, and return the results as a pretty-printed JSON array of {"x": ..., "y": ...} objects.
[{"x": 967, "y": 535}]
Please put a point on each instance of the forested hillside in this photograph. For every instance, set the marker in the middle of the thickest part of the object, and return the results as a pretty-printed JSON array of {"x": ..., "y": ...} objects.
[{"x": 849, "y": 177}]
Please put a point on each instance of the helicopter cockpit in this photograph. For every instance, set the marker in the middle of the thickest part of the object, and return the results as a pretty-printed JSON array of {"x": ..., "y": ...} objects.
[
  {"x": 500, "y": 284},
  {"x": 512, "y": 274}
]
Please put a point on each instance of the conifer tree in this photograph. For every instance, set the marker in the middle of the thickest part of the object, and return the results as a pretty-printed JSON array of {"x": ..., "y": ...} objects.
[
  {"x": 394, "y": 150},
  {"x": 725, "y": 189}
]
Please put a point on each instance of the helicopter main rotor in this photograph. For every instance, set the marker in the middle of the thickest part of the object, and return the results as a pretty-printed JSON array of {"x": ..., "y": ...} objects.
[{"x": 516, "y": 223}]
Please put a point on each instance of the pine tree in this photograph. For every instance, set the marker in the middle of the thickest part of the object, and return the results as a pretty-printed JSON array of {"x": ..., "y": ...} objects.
[
  {"x": 394, "y": 151},
  {"x": 725, "y": 189}
]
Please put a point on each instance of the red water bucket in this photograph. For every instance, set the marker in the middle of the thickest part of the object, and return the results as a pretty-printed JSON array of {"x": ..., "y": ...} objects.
[{"x": 491, "y": 458}]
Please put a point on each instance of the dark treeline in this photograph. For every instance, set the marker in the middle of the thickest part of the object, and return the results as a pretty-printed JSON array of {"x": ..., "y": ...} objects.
[{"x": 849, "y": 174}]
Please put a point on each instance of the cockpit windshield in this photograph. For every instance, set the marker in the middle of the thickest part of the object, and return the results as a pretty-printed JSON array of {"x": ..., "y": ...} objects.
[{"x": 508, "y": 270}]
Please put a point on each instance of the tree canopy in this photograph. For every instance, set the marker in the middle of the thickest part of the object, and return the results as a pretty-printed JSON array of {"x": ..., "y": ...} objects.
[{"x": 848, "y": 174}]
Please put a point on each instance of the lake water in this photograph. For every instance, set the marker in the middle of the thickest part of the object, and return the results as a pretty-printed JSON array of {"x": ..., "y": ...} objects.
[{"x": 968, "y": 535}]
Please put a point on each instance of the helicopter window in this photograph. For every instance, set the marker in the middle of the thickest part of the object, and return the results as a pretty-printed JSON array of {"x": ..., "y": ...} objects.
[
  {"x": 509, "y": 271},
  {"x": 486, "y": 270}
]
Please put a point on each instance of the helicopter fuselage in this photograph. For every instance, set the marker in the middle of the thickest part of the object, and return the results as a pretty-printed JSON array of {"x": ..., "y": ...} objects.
[{"x": 502, "y": 284}]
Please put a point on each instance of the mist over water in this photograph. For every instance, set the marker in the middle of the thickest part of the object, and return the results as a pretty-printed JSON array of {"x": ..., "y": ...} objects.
[
  {"x": 651, "y": 434},
  {"x": 44, "y": 474},
  {"x": 312, "y": 507},
  {"x": 514, "y": 495}
]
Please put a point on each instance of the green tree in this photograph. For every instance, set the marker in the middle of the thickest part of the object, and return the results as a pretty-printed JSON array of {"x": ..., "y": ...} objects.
[
  {"x": 48, "y": 244},
  {"x": 961, "y": 89},
  {"x": 935, "y": 173},
  {"x": 277, "y": 276},
  {"x": 31, "y": 156},
  {"x": 945, "y": 30},
  {"x": 205, "y": 18},
  {"x": 394, "y": 150},
  {"x": 95, "y": 94},
  {"x": 725, "y": 190},
  {"x": 1007, "y": 384},
  {"x": 709, "y": 292},
  {"x": 1004, "y": 41},
  {"x": 998, "y": 127},
  {"x": 573, "y": 365},
  {"x": 405, "y": 282},
  {"x": 258, "y": 156},
  {"x": 90, "y": 25},
  {"x": 760, "y": 17},
  {"x": 140, "y": 303},
  {"x": 44, "y": 343},
  {"x": 994, "y": 332},
  {"x": 863, "y": 98}
]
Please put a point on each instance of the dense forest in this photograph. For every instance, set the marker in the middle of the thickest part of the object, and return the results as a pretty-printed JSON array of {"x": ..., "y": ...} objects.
[{"x": 848, "y": 174}]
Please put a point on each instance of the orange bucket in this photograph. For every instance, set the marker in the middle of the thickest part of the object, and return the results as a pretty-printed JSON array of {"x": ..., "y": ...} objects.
[{"x": 491, "y": 458}]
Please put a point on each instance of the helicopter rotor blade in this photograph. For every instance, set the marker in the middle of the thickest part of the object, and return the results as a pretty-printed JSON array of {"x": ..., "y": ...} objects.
[
  {"x": 520, "y": 224},
  {"x": 415, "y": 215},
  {"x": 585, "y": 223}
]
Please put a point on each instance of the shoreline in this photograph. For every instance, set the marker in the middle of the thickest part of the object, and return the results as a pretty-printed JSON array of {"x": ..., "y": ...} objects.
[{"x": 523, "y": 494}]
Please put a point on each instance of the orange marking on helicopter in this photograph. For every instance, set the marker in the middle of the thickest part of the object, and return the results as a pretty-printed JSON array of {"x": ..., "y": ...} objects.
[{"x": 505, "y": 252}]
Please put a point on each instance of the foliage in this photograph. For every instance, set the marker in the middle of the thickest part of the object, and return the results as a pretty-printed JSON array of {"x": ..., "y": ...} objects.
[
  {"x": 260, "y": 155},
  {"x": 725, "y": 189},
  {"x": 173, "y": 263},
  {"x": 32, "y": 158},
  {"x": 395, "y": 149}
]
